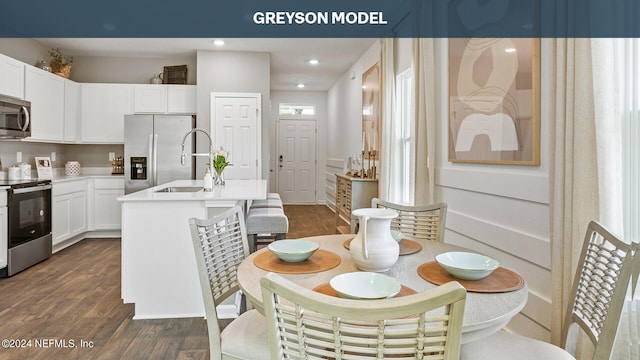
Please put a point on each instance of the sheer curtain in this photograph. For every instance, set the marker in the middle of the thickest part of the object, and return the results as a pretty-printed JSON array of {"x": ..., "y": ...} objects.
[
  {"x": 585, "y": 163},
  {"x": 423, "y": 66},
  {"x": 387, "y": 67}
]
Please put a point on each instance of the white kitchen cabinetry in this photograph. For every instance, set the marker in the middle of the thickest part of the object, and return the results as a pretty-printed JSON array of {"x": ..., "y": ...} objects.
[
  {"x": 103, "y": 107},
  {"x": 11, "y": 77},
  {"x": 71, "y": 110},
  {"x": 46, "y": 93},
  {"x": 69, "y": 210},
  {"x": 4, "y": 228},
  {"x": 106, "y": 208},
  {"x": 165, "y": 99}
]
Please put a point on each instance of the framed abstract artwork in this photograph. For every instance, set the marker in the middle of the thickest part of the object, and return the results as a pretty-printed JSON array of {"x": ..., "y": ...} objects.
[{"x": 494, "y": 100}]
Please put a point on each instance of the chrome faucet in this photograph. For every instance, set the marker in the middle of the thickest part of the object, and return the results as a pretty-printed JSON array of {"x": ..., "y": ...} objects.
[{"x": 183, "y": 157}]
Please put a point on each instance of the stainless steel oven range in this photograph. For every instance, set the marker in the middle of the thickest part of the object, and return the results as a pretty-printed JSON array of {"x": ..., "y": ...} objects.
[{"x": 29, "y": 220}]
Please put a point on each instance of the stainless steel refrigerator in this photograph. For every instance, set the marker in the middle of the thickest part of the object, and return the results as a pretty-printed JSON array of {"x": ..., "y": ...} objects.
[{"x": 152, "y": 149}]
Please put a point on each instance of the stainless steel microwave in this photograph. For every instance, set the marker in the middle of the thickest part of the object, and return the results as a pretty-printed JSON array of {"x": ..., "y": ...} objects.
[{"x": 15, "y": 118}]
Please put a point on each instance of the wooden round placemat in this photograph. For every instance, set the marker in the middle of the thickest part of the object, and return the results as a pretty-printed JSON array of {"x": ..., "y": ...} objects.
[
  {"x": 325, "y": 288},
  {"x": 406, "y": 246},
  {"x": 500, "y": 280},
  {"x": 321, "y": 260}
]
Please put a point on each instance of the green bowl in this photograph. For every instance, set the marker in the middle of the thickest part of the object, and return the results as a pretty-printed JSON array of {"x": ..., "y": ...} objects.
[{"x": 293, "y": 250}]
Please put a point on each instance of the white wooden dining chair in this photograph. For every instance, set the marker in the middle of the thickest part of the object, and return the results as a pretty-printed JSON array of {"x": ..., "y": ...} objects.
[
  {"x": 220, "y": 245},
  {"x": 304, "y": 324},
  {"x": 598, "y": 295},
  {"x": 418, "y": 222}
]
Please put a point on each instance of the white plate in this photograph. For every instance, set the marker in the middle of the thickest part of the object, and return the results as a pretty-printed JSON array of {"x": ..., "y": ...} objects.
[
  {"x": 365, "y": 285},
  {"x": 466, "y": 265}
]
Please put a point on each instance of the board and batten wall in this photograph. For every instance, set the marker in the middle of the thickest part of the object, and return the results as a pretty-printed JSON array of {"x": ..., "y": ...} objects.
[
  {"x": 498, "y": 210},
  {"x": 501, "y": 210}
]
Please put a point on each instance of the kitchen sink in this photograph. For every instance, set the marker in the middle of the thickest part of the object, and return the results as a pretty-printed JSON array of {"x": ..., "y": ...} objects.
[{"x": 180, "y": 189}]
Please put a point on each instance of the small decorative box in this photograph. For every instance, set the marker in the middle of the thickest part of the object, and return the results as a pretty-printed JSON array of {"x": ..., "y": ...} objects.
[{"x": 72, "y": 168}]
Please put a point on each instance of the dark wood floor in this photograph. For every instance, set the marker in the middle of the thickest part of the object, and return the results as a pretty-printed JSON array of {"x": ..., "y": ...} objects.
[{"x": 69, "y": 306}]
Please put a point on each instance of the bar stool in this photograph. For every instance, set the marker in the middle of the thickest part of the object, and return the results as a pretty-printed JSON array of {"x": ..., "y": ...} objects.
[{"x": 266, "y": 224}]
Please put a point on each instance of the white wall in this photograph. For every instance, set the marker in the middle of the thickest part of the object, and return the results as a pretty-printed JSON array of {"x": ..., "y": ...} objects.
[
  {"x": 128, "y": 70},
  {"x": 233, "y": 71},
  {"x": 317, "y": 98},
  {"x": 344, "y": 118},
  {"x": 26, "y": 50}
]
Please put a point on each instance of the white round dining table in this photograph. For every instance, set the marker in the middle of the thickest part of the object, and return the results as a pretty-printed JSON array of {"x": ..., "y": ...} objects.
[{"x": 485, "y": 313}]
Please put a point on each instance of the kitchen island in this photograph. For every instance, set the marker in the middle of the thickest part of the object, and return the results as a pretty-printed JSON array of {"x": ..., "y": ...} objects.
[{"x": 159, "y": 273}]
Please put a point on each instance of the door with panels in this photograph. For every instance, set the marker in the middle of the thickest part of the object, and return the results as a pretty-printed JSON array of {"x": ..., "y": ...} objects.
[
  {"x": 235, "y": 121},
  {"x": 297, "y": 161}
]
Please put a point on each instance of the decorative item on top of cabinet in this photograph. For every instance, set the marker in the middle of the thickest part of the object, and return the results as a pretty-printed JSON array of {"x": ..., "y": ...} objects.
[
  {"x": 156, "y": 79},
  {"x": 60, "y": 63},
  {"x": 175, "y": 74},
  {"x": 352, "y": 193}
]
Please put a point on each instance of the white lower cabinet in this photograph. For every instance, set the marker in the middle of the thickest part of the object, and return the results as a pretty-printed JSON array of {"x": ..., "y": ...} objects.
[
  {"x": 107, "y": 212},
  {"x": 69, "y": 213},
  {"x": 4, "y": 228}
]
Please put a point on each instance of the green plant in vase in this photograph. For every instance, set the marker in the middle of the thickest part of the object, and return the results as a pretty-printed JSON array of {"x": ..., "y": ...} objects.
[
  {"x": 60, "y": 63},
  {"x": 220, "y": 162}
]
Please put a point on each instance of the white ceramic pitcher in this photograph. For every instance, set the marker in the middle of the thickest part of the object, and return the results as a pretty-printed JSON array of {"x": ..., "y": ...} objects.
[{"x": 373, "y": 248}]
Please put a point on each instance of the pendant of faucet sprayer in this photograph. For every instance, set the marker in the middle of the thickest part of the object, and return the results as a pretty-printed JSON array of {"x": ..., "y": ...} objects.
[{"x": 183, "y": 156}]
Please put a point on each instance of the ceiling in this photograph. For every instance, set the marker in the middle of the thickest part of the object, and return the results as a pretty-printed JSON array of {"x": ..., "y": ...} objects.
[{"x": 289, "y": 57}]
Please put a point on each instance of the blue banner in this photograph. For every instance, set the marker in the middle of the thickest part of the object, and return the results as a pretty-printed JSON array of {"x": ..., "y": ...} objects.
[{"x": 319, "y": 18}]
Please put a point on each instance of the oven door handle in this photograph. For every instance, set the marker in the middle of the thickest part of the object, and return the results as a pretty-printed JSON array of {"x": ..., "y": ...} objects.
[{"x": 32, "y": 189}]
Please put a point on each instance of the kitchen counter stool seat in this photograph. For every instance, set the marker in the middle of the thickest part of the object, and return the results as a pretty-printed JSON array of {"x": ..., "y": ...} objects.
[
  {"x": 266, "y": 203},
  {"x": 265, "y": 225}
]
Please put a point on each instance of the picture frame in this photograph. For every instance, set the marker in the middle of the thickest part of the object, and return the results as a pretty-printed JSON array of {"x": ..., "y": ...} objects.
[
  {"x": 371, "y": 111},
  {"x": 494, "y": 100},
  {"x": 43, "y": 166}
]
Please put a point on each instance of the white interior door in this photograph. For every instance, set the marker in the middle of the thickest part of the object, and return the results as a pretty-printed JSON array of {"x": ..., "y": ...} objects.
[
  {"x": 297, "y": 161},
  {"x": 236, "y": 127}
]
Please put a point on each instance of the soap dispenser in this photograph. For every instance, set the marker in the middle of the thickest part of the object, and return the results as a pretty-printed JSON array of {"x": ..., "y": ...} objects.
[{"x": 208, "y": 180}]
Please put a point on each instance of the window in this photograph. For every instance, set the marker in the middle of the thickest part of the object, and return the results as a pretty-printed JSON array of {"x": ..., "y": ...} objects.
[
  {"x": 402, "y": 164},
  {"x": 630, "y": 148},
  {"x": 297, "y": 109}
]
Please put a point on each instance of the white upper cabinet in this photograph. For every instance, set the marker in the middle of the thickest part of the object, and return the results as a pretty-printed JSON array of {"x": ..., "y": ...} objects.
[
  {"x": 71, "y": 110},
  {"x": 150, "y": 99},
  {"x": 181, "y": 99},
  {"x": 45, "y": 91},
  {"x": 11, "y": 77},
  {"x": 165, "y": 99},
  {"x": 103, "y": 107}
]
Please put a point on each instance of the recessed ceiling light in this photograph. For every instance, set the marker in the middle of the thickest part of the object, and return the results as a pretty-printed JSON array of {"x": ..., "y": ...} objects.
[
  {"x": 313, "y": 62},
  {"x": 218, "y": 42},
  {"x": 510, "y": 50},
  {"x": 300, "y": 86}
]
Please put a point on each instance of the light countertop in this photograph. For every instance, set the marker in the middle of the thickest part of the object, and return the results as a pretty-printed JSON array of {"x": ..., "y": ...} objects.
[{"x": 232, "y": 190}]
